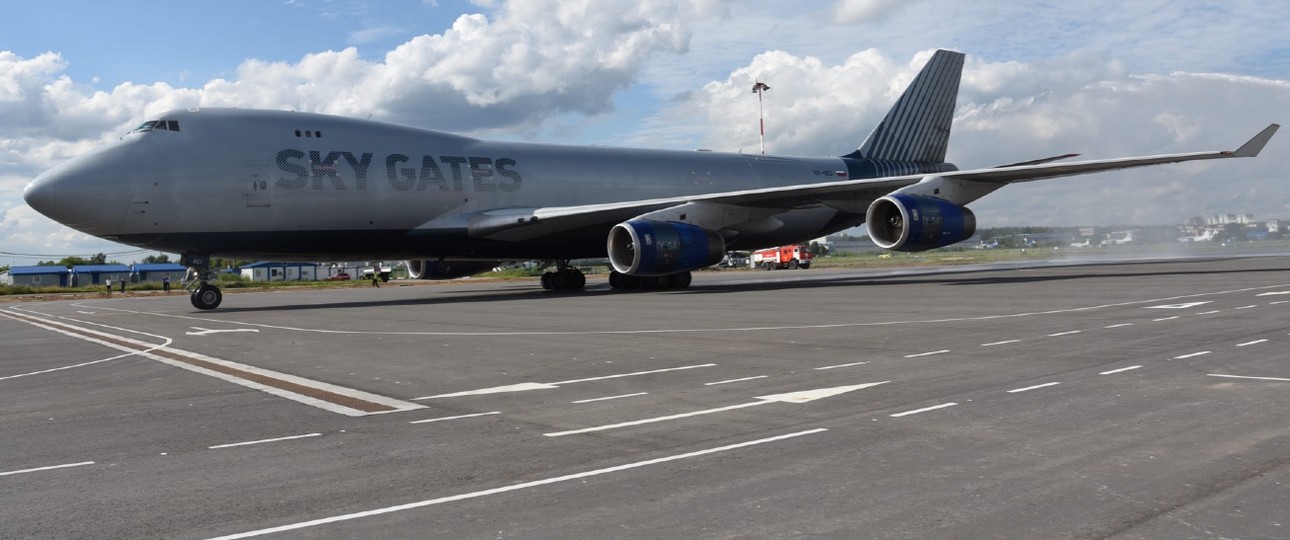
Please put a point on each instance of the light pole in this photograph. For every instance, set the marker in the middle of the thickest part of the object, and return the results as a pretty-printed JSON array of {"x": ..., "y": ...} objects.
[{"x": 758, "y": 88}]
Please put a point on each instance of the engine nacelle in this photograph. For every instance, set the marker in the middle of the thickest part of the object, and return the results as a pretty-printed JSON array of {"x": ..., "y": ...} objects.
[
  {"x": 904, "y": 222},
  {"x": 437, "y": 269},
  {"x": 658, "y": 248}
]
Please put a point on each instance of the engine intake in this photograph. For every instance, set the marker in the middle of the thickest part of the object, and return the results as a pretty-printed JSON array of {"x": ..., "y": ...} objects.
[
  {"x": 658, "y": 248},
  {"x": 903, "y": 222}
]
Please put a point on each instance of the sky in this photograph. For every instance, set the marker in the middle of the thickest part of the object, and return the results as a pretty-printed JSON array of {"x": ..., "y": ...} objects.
[{"x": 1099, "y": 78}]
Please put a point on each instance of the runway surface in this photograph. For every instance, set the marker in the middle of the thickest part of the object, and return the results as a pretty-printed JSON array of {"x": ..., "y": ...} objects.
[{"x": 1132, "y": 400}]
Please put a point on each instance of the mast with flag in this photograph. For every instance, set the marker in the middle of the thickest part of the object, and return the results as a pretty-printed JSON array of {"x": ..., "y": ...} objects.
[{"x": 758, "y": 88}]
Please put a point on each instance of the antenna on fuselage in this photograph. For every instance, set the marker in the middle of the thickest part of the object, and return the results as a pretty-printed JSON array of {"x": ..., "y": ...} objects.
[{"x": 758, "y": 88}]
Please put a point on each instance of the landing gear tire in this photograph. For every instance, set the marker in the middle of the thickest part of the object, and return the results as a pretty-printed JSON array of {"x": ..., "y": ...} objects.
[
  {"x": 564, "y": 279},
  {"x": 678, "y": 280},
  {"x": 207, "y": 297}
]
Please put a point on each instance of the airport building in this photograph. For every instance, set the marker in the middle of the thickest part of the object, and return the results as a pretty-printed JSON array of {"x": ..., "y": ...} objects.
[
  {"x": 157, "y": 272},
  {"x": 37, "y": 276},
  {"x": 280, "y": 271},
  {"x": 97, "y": 274}
]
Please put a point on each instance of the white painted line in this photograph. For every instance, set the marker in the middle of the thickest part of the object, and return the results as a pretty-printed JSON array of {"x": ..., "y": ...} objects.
[
  {"x": 521, "y": 387},
  {"x": 230, "y": 445},
  {"x": 1273, "y": 293},
  {"x": 610, "y": 397},
  {"x": 735, "y": 380},
  {"x": 514, "y": 487},
  {"x": 526, "y": 386},
  {"x": 51, "y": 467},
  {"x": 1210, "y": 312},
  {"x": 207, "y": 331},
  {"x": 1192, "y": 355},
  {"x": 841, "y": 366},
  {"x": 1119, "y": 370},
  {"x": 1178, "y": 306},
  {"x": 923, "y": 410},
  {"x": 791, "y": 397},
  {"x": 428, "y": 420},
  {"x": 66, "y": 367},
  {"x": 1121, "y": 325},
  {"x": 1255, "y": 342},
  {"x": 1278, "y": 302},
  {"x": 1033, "y": 387},
  {"x": 633, "y": 374},
  {"x": 1165, "y": 319},
  {"x": 1248, "y": 377},
  {"x": 1065, "y": 333},
  {"x": 942, "y": 351},
  {"x": 1001, "y": 342},
  {"x": 85, "y": 312},
  {"x": 1244, "y": 307}
]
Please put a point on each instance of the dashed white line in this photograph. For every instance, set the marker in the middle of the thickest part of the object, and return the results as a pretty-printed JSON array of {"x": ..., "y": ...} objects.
[
  {"x": 610, "y": 397},
  {"x": 1123, "y": 369},
  {"x": 51, "y": 467},
  {"x": 230, "y": 445},
  {"x": 1192, "y": 355},
  {"x": 1278, "y": 302},
  {"x": 1244, "y": 307},
  {"x": 458, "y": 417},
  {"x": 1165, "y": 319},
  {"x": 728, "y": 381},
  {"x": 1121, "y": 325},
  {"x": 942, "y": 351},
  {"x": 841, "y": 365},
  {"x": 1210, "y": 312},
  {"x": 1005, "y": 342},
  {"x": 1255, "y": 342},
  {"x": 924, "y": 409},
  {"x": 1065, "y": 333},
  {"x": 1028, "y": 388},
  {"x": 1249, "y": 377},
  {"x": 514, "y": 487}
]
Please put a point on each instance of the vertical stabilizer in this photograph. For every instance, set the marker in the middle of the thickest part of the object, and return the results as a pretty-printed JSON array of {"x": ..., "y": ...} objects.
[{"x": 917, "y": 128}]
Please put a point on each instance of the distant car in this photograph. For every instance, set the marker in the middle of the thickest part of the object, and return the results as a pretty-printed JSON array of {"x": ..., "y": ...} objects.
[{"x": 339, "y": 277}]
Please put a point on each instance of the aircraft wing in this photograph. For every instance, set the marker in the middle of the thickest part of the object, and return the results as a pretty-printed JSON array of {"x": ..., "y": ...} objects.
[{"x": 961, "y": 187}]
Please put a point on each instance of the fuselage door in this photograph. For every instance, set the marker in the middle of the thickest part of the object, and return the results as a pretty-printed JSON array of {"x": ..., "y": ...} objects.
[{"x": 255, "y": 187}]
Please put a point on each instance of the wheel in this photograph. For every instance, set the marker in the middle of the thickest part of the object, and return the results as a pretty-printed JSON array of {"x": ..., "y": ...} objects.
[
  {"x": 617, "y": 280},
  {"x": 792, "y": 265},
  {"x": 659, "y": 282},
  {"x": 559, "y": 281},
  {"x": 576, "y": 279},
  {"x": 546, "y": 281},
  {"x": 767, "y": 266},
  {"x": 207, "y": 297},
  {"x": 682, "y": 280}
]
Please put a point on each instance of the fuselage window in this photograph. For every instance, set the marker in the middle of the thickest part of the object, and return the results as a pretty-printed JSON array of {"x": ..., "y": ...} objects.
[
  {"x": 318, "y": 134},
  {"x": 297, "y": 133},
  {"x": 309, "y": 134}
]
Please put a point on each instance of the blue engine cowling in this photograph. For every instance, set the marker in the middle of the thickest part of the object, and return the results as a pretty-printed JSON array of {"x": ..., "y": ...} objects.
[
  {"x": 658, "y": 248},
  {"x": 904, "y": 222}
]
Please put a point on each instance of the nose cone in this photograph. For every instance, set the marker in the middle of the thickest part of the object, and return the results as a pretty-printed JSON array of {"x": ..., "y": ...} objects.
[{"x": 89, "y": 193}]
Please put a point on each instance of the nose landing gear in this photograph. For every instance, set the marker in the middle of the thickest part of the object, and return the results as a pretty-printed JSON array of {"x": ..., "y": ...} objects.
[{"x": 204, "y": 295}]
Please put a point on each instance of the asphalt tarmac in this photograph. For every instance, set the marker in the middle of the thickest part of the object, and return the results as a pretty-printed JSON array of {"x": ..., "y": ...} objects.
[{"x": 1133, "y": 400}]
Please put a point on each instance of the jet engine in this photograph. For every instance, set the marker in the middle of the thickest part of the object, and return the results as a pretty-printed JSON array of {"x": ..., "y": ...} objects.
[
  {"x": 904, "y": 222},
  {"x": 657, "y": 248},
  {"x": 437, "y": 269}
]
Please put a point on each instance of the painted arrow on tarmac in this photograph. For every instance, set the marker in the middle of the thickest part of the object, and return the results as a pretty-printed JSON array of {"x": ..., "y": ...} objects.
[
  {"x": 792, "y": 397},
  {"x": 526, "y": 386}
]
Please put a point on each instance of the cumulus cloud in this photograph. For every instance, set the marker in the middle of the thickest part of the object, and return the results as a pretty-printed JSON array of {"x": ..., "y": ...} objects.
[{"x": 1012, "y": 111}]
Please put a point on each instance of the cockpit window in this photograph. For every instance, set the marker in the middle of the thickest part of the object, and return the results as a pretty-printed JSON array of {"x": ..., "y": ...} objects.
[{"x": 163, "y": 125}]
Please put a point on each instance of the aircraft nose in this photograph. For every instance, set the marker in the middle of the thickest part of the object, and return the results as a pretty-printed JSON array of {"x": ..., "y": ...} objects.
[{"x": 82, "y": 194}]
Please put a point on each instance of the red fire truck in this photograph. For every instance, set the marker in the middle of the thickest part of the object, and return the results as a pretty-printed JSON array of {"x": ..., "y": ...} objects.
[{"x": 778, "y": 258}]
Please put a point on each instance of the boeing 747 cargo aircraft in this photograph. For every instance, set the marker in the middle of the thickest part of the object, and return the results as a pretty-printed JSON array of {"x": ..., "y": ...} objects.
[{"x": 299, "y": 186}]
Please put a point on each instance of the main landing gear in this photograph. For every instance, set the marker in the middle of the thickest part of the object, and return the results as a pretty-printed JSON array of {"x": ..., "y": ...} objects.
[
  {"x": 679, "y": 280},
  {"x": 565, "y": 277},
  {"x": 204, "y": 295}
]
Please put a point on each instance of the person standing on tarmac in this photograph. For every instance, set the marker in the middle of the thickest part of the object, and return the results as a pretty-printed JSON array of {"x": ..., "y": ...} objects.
[{"x": 376, "y": 275}]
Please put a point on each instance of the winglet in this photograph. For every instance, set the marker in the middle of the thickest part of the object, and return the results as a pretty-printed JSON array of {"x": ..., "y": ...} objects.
[{"x": 1252, "y": 147}]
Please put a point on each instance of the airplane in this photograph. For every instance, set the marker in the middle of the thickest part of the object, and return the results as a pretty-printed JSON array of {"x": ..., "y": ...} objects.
[{"x": 244, "y": 183}]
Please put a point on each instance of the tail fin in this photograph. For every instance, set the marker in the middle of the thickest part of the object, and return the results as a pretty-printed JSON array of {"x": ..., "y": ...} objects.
[{"x": 917, "y": 128}]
